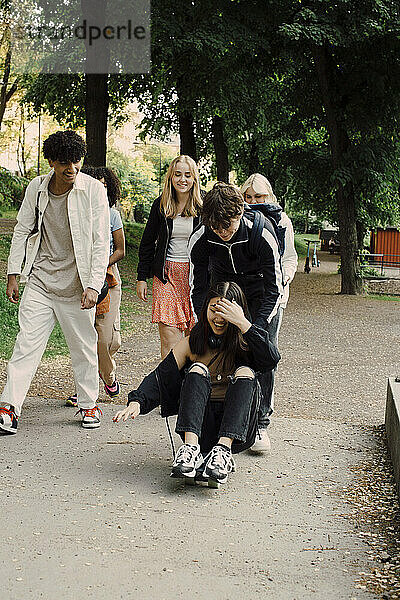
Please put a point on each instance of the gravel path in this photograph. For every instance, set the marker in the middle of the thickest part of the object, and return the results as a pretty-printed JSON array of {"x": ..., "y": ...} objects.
[
  {"x": 337, "y": 351},
  {"x": 7, "y": 225}
]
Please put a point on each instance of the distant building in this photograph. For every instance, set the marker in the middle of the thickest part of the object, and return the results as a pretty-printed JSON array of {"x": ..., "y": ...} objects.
[{"x": 386, "y": 242}]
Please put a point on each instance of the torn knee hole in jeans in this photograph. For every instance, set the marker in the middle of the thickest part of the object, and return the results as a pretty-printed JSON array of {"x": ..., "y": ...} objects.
[
  {"x": 234, "y": 378},
  {"x": 198, "y": 369}
]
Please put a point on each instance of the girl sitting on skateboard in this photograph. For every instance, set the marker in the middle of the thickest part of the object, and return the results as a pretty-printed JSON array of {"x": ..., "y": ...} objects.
[{"x": 210, "y": 380}]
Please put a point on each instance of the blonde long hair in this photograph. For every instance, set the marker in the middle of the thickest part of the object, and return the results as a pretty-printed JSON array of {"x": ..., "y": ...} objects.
[
  {"x": 260, "y": 185},
  {"x": 169, "y": 201}
]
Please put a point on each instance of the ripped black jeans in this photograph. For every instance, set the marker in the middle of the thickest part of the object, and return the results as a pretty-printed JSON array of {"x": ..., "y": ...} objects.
[{"x": 235, "y": 417}]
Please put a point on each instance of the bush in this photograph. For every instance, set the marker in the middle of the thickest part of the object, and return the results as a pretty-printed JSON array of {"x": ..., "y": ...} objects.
[
  {"x": 140, "y": 213},
  {"x": 12, "y": 189},
  {"x": 370, "y": 272},
  {"x": 139, "y": 182}
]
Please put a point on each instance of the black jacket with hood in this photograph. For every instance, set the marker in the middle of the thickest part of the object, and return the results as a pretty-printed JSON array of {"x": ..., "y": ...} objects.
[{"x": 259, "y": 275}]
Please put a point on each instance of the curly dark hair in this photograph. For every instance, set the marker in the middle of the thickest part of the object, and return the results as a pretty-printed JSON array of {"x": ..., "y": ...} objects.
[
  {"x": 64, "y": 146},
  {"x": 89, "y": 171},
  {"x": 113, "y": 184},
  {"x": 221, "y": 204}
]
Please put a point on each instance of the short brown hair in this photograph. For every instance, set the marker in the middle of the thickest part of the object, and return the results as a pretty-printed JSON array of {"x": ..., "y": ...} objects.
[{"x": 222, "y": 204}]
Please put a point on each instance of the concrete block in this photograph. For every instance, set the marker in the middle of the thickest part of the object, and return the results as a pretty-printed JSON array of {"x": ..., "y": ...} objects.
[{"x": 392, "y": 424}]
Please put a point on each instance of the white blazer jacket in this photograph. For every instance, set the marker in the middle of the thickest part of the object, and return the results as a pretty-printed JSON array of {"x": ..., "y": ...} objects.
[{"x": 89, "y": 219}]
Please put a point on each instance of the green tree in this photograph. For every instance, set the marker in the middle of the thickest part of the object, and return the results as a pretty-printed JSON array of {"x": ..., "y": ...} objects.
[
  {"x": 350, "y": 51},
  {"x": 9, "y": 83},
  {"x": 201, "y": 53}
]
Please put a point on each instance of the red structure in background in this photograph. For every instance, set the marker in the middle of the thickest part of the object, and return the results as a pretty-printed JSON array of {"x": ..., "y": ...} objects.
[{"x": 387, "y": 243}]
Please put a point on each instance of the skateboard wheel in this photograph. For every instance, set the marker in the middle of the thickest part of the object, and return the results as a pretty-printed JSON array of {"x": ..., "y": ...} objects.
[
  {"x": 190, "y": 481},
  {"x": 213, "y": 484}
]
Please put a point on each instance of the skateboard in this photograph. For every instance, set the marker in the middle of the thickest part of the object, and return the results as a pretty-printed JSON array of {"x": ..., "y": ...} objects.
[{"x": 199, "y": 479}]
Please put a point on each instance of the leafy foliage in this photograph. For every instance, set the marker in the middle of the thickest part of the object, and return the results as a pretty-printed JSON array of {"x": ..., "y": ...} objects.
[
  {"x": 11, "y": 189},
  {"x": 308, "y": 91},
  {"x": 63, "y": 97},
  {"x": 139, "y": 182}
]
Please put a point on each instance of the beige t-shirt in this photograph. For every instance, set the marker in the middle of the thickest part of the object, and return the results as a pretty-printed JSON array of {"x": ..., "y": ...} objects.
[{"x": 54, "y": 270}]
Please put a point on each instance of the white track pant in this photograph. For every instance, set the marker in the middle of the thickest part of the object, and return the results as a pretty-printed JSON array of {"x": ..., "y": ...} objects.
[{"x": 37, "y": 316}]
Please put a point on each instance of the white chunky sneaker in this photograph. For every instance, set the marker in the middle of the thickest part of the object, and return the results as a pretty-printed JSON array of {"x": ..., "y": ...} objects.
[
  {"x": 219, "y": 463},
  {"x": 8, "y": 420},
  {"x": 90, "y": 417},
  {"x": 262, "y": 443},
  {"x": 187, "y": 460}
]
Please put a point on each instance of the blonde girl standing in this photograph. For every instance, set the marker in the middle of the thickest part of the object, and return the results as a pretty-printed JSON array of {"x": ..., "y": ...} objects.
[{"x": 163, "y": 252}]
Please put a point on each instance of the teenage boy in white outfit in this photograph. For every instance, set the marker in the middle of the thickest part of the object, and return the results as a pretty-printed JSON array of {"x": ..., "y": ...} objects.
[
  {"x": 62, "y": 237},
  {"x": 258, "y": 190}
]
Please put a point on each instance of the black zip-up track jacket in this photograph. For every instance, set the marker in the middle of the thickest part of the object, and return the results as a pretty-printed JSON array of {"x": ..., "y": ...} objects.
[
  {"x": 260, "y": 277},
  {"x": 154, "y": 244},
  {"x": 163, "y": 385}
]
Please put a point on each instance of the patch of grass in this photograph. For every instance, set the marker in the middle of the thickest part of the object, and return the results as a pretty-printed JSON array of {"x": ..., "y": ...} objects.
[
  {"x": 8, "y": 323},
  {"x": 133, "y": 234},
  {"x": 8, "y": 213},
  {"x": 5, "y": 241},
  {"x": 385, "y": 297},
  {"x": 128, "y": 266},
  {"x": 301, "y": 245}
]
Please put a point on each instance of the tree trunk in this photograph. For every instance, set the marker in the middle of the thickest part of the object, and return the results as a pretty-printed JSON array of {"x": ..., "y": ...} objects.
[
  {"x": 361, "y": 231},
  {"x": 185, "y": 119},
  {"x": 6, "y": 95},
  {"x": 351, "y": 282},
  {"x": 186, "y": 134},
  {"x": 96, "y": 109},
  {"x": 339, "y": 144},
  {"x": 306, "y": 222},
  {"x": 21, "y": 157},
  {"x": 254, "y": 159},
  {"x": 96, "y": 86},
  {"x": 221, "y": 149}
]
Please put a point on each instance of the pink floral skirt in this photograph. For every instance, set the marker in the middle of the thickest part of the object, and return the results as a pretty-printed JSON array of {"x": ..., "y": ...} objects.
[{"x": 171, "y": 302}]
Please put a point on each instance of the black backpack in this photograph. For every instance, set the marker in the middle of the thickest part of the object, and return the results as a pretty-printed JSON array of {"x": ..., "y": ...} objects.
[{"x": 272, "y": 212}]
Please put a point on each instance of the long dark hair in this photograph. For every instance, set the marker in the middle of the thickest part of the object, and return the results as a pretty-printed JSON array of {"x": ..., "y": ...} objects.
[{"x": 232, "y": 343}]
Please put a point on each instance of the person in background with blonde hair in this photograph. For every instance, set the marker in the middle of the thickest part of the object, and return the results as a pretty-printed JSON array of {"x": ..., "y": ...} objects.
[
  {"x": 163, "y": 252},
  {"x": 258, "y": 190}
]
